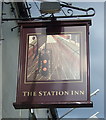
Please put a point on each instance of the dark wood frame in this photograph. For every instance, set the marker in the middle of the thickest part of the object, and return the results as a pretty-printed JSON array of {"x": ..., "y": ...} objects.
[{"x": 22, "y": 59}]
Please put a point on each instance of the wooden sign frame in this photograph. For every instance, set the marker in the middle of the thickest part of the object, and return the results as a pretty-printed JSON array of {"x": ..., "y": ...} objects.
[{"x": 54, "y": 66}]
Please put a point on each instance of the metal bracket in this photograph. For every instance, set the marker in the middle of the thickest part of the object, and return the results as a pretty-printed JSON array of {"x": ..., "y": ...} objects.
[
  {"x": 1, "y": 39},
  {"x": 12, "y": 29},
  {"x": 32, "y": 115},
  {"x": 92, "y": 94},
  {"x": 89, "y": 12},
  {"x": 94, "y": 115},
  {"x": 72, "y": 8},
  {"x": 68, "y": 13}
]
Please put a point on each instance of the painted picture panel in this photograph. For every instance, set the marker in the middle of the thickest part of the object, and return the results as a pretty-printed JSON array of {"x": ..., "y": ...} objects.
[{"x": 57, "y": 58}]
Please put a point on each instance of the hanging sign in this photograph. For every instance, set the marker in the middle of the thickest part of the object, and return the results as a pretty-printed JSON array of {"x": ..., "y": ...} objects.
[{"x": 54, "y": 65}]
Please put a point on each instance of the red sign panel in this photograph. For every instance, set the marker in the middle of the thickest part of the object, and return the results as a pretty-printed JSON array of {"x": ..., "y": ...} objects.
[{"x": 53, "y": 65}]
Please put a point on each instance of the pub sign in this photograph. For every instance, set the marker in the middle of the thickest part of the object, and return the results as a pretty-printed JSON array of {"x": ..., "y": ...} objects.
[{"x": 54, "y": 66}]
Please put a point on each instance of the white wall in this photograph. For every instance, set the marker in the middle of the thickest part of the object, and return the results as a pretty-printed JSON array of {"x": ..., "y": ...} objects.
[
  {"x": 9, "y": 67},
  {"x": 9, "y": 70},
  {"x": 0, "y": 79},
  {"x": 0, "y": 67}
]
